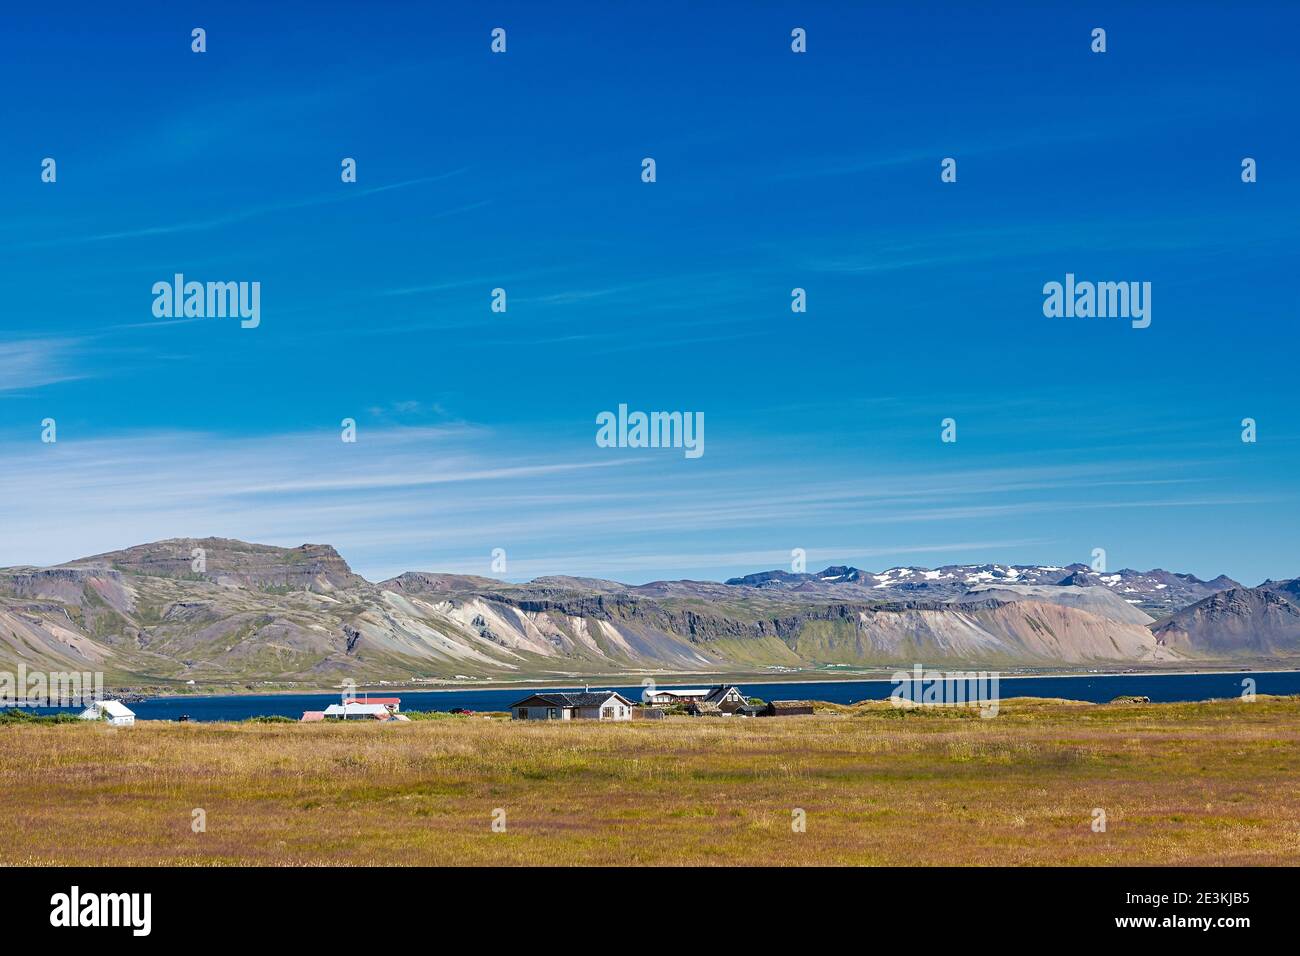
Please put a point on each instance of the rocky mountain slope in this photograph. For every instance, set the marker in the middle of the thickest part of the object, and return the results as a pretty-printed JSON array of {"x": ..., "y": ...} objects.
[
  {"x": 1263, "y": 620},
  {"x": 218, "y": 611},
  {"x": 1158, "y": 591}
]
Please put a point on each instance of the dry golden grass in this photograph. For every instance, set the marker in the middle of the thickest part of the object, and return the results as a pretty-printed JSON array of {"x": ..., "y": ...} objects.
[{"x": 1180, "y": 784}]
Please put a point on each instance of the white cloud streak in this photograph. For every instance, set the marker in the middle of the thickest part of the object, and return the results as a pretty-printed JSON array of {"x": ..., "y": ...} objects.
[{"x": 32, "y": 363}]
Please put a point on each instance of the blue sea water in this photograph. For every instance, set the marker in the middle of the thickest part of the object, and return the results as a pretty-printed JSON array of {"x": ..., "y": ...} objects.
[{"x": 1095, "y": 688}]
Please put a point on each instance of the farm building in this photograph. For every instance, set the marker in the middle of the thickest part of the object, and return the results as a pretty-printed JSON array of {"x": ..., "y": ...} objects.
[
  {"x": 588, "y": 705},
  {"x": 788, "y": 708},
  {"x": 663, "y": 696},
  {"x": 352, "y": 710},
  {"x": 728, "y": 697},
  {"x": 704, "y": 708},
  {"x": 113, "y": 711}
]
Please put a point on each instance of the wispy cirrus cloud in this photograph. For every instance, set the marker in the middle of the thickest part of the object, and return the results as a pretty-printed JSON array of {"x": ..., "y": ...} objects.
[
  {"x": 77, "y": 497},
  {"x": 32, "y": 363},
  {"x": 1031, "y": 239},
  {"x": 248, "y": 213},
  {"x": 442, "y": 497}
]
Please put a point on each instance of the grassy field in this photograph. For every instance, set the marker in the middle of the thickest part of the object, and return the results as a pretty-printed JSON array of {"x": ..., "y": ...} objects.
[{"x": 1179, "y": 784}]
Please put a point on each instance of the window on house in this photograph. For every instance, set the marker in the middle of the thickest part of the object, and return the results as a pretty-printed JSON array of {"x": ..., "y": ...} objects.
[
  {"x": 606, "y": 713},
  {"x": 553, "y": 713},
  {"x": 523, "y": 713}
]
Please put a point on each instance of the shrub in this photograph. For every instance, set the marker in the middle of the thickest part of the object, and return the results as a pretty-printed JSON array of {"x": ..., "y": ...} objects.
[
  {"x": 429, "y": 715},
  {"x": 16, "y": 715}
]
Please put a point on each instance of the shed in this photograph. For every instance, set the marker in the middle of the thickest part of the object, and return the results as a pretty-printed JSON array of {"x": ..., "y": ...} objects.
[
  {"x": 788, "y": 708},
  {"x": 311, "y": 716}
]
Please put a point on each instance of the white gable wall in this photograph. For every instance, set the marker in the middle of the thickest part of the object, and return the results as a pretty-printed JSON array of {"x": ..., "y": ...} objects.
[{"x": 619, "y": 710}]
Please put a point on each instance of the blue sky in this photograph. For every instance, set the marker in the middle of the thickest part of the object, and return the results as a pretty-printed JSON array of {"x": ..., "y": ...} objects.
[{"x": 775, "y": 170}]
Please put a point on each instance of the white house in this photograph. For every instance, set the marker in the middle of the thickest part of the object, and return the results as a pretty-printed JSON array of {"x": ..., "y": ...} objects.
[
  {"x": 352, "y": 709},
  {"x": 114, "y": 711},
  {"x": 675, "y": 695},
  {"x": 588, "y": 705}
]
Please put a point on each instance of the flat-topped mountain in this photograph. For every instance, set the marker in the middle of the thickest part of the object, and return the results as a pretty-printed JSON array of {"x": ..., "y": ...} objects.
[
  {"x": 221, "y": 611},
  {"x": 224, "y": 560}
]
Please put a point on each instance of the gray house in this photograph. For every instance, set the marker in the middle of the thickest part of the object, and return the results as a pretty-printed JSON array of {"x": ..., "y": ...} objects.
[
  {"x": 728, "y": 697},
  {"x": 586, "y": 705}
]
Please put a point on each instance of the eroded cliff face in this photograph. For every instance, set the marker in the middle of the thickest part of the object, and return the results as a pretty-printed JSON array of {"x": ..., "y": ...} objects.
[
  {"x": 1263, "y": 620},
  {"x": 893, "y": 632}
]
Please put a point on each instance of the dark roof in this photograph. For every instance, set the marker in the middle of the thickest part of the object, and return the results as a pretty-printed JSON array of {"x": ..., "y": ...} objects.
[
  {"x": 591, "y": 698},
  {"x": 721, "y": 691}
]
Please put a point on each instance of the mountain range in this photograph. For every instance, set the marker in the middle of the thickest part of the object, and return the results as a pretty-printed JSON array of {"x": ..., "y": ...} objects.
[
  {"x": 1159, "y": 592},
  {"x": 263, "y": 614}
]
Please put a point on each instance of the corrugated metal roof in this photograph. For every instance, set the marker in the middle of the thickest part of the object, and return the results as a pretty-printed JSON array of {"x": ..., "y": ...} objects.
[
  {"x": 351, "y": 709},
  {"x": 115, "y": 708}
]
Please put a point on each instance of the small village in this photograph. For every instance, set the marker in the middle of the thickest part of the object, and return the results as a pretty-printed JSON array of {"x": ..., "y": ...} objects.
[{"x": 722, "y": 700}]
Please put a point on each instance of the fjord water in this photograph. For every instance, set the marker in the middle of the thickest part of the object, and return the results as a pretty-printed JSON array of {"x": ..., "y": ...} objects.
[{"x": 1095, "y": 688}]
